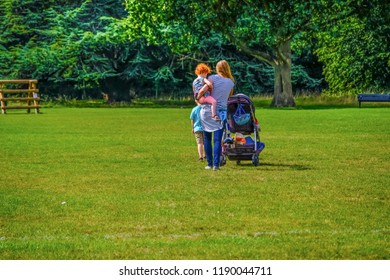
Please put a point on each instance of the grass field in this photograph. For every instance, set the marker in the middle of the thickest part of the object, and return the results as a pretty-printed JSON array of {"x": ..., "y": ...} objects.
[{"x": 125, "y": 183}]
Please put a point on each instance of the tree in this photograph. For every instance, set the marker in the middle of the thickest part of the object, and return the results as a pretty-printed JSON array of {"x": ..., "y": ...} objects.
[
  {"x": 261, "y": 29},
  {"x": 36, "y": 38},
  {"x": 55, "y": 42},
  {"x": 356, "y": 50},
  {"x": 78, "y": 49}
]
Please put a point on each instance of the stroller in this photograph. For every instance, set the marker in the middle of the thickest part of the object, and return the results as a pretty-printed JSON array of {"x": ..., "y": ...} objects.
[{"x": 242, "y": 122}]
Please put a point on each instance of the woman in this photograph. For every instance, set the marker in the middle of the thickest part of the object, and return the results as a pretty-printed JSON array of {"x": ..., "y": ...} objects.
[{"x": 223, "y": 84}]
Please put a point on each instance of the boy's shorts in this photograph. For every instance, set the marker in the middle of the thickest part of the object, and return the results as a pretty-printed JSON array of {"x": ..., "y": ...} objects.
[{"x": 199, "y": 137}]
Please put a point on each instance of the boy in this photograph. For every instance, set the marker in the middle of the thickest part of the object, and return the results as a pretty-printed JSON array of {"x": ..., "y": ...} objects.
[{"x": 197, "y": 130}]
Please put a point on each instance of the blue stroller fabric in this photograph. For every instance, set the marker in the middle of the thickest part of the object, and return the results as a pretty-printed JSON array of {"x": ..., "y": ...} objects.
[
  {"x": 240, "y": 116},
  {"x": 260, "y": 146}
]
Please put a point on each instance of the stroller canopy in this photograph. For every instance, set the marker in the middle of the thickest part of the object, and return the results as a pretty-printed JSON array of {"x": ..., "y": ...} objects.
[{"x": 241, "y": 114}]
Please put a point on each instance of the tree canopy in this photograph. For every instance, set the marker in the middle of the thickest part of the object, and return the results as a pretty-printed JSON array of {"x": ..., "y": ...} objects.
[
  {"x": 355, "y": 49},
  {"x": 80, "y": 49},
  {"x": 261, "y": 29}
]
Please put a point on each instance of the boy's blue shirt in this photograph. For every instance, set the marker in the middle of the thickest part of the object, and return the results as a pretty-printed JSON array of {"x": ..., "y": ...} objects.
[{"x": 195, "y": 116}]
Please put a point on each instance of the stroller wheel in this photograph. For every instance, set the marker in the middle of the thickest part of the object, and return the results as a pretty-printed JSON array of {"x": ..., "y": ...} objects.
[{"x": 255, "y": 160}]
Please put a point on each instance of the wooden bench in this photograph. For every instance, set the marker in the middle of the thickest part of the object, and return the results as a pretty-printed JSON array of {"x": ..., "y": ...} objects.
[
  {"x": 22, "y": 95},
  {"x": 373, "y": 98}
]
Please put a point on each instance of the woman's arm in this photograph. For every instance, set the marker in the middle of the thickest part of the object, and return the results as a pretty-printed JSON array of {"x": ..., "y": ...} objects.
[
  {"x": 209, "y": 84},
  {"x": 203, "y": 90}
]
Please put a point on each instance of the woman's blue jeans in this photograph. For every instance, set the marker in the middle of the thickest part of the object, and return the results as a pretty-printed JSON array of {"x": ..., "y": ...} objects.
[{"x": 213, "y": 160}]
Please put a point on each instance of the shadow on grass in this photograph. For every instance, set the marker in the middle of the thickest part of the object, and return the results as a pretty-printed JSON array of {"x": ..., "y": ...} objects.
[
  {"x": 286, "y": 166},
  {"x": 276, "y": 166}
]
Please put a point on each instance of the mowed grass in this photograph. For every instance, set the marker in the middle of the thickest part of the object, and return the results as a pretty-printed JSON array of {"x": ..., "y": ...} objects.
[{"x": 126, "y": 184}]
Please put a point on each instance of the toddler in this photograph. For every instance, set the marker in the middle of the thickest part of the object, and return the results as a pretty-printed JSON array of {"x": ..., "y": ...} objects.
[{"x": 201, "y": 71}]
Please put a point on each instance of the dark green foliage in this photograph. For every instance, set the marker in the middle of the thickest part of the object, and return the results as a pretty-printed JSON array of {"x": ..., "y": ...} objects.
[
  {"x": 81, "y": 49},
  {"x": 77, "y": 50},
  {"x": 356, "y": 49}
]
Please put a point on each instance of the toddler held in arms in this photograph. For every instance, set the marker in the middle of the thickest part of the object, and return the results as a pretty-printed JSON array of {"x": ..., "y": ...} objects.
[{"x": 202, "y": 88}]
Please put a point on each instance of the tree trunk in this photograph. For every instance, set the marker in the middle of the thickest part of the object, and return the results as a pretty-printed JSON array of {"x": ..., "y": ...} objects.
[
  {"x": 116, "y": 89},
  {"x": 283, "y": 96}
]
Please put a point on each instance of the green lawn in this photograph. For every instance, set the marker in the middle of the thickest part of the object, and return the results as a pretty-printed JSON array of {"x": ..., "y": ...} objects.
[{"x": 125, "y": 183}]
